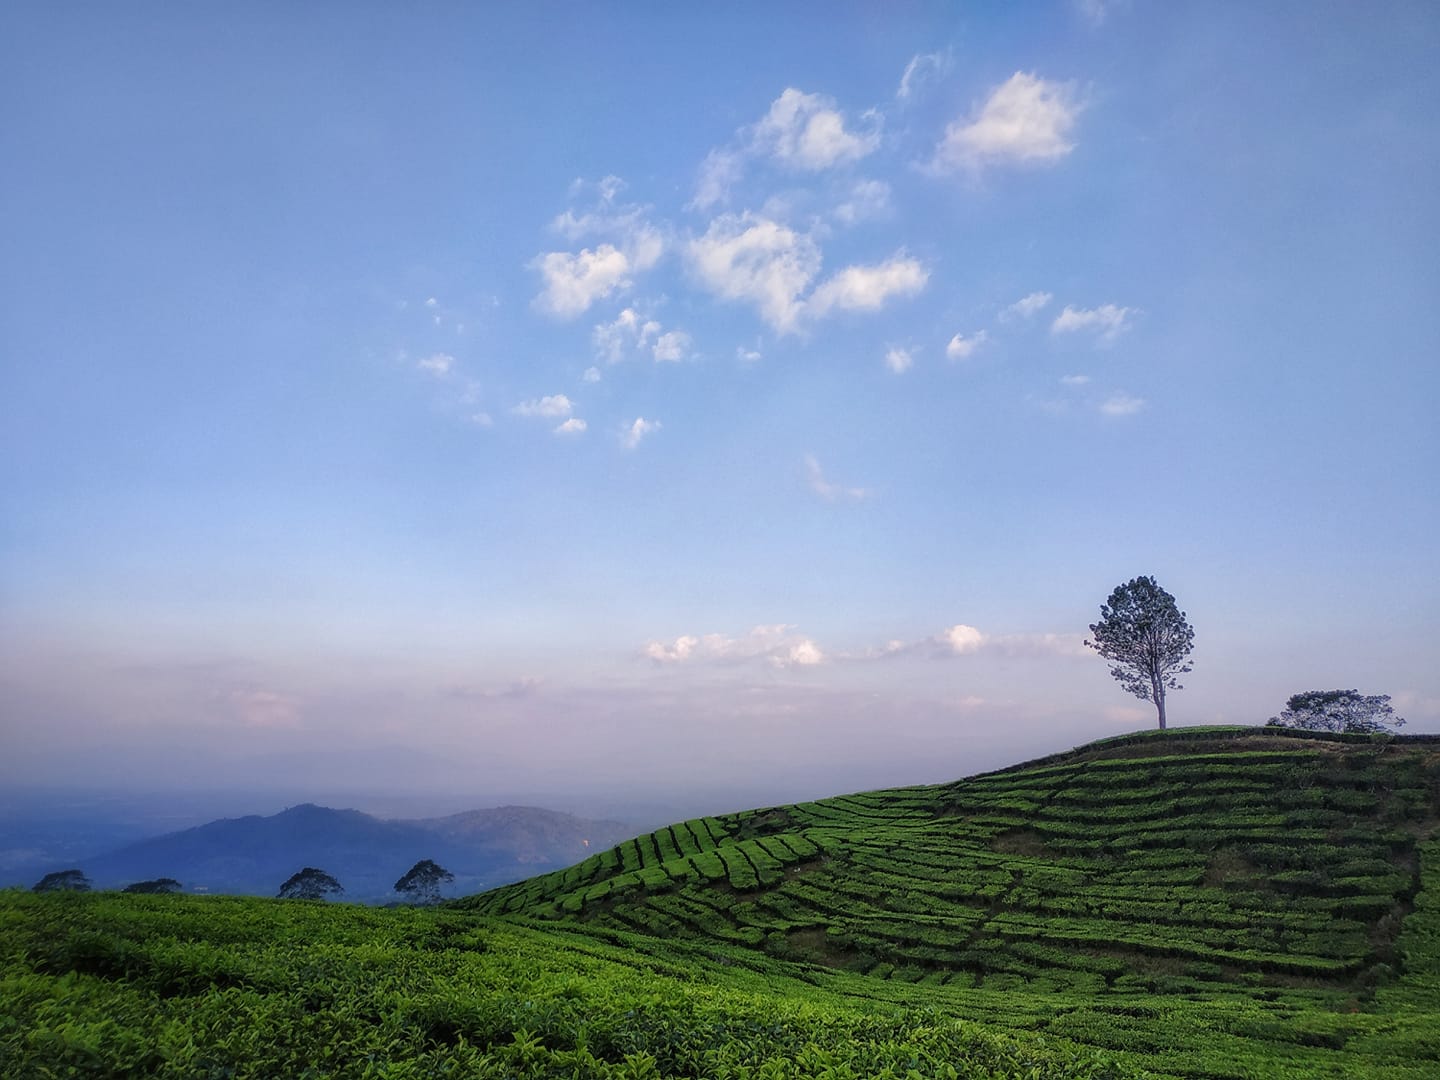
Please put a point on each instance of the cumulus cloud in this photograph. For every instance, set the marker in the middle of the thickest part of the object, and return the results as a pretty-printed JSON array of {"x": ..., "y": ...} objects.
[
  {"x": 747, "y": 354},
  {"x": 800, "y": 131},
  {"x": 866, "y": 200},
  {"x": 962, "y": 348},
  {"x": 1121, "y": 404},
  {"x": 1074, "y": 380},
  {"x": 867, "y": 288},
  {"x": 1026, "y": 306},
  {"x": 806, "y": 131},
  {"x": 1107, "y": 322},
  {"x": 899, "y": 360},
  {"x": 630, "y": 332},
  {"x": 777, "y": 644},
  {"x": 630, "y": 244},
  {"x": 556, "y": 405},
  {"x": 756, "y": 260},
  {"x": 575, "y": 281},
  {"x": 1026, "y": 120},
  {"x": 573, "y": 426},
  {"x": 637, "y": 430},
  {"x": 825, "y": 488},
  {"x": 671, "y": 346}
]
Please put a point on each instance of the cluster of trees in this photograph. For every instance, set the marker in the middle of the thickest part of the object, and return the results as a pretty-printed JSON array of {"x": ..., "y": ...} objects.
[
  {"x": 1147, "y": 639},
  {"x": 420, "y": 884}
]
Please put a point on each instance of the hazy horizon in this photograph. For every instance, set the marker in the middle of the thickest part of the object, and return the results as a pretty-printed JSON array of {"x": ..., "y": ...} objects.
[{"x": 662, "y": 407}]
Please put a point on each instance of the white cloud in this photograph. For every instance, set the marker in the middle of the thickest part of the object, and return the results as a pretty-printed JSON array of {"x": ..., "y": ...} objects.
[
  {"x": 631, "y": 436},
  {"x": 1026, "y": 120},
  {"x": 432, "y": 303},
  {"x": 481, "y": 419},
  {"x": 1026, "y": 306},
  {"x": 632, "y": 332},
  {"x": 259, "y": 708},
  {"x": 962, "y": 639},
  {"x": 922, "y": 67},
  {"x": 868, "y": 199},
  {"x": 776, "y": 644},
  {"x": 825, "y": 488},
  {"x": 755, "y": 259},
  {"x": 591, "y": 375},
  {"x": 575, "y": 281},
  {"x": 671, "y": 346},
  {"x": 630, "y": 244},
  {"x": 1074, "y": 380},
  {"x": 962, "y": 348},
  {"x": 748, "y": 355},
  {"x": 867, "y": 288},
  {"x": 573, "y": 426},
  {"x": 556, "y": 405},
  {"x": 719, "y": 172},
  {"x": 806, "y": 131},
  {"x": 1121, "y": 404},
  {"x": 899, "y": 360},
  {"x": 439, "y": 365},
  {"x": 1107, "y": 321}
]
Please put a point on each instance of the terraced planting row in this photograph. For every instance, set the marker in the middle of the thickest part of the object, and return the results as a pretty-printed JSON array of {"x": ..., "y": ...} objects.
[{"x": 1289, "y": 867}]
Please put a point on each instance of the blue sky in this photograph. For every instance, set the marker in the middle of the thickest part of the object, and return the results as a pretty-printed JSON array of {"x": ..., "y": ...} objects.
[{"x": 586, "y": 400}]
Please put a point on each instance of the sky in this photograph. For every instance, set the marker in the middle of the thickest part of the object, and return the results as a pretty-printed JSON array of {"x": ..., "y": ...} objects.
[{"x": 600, "y": 404}]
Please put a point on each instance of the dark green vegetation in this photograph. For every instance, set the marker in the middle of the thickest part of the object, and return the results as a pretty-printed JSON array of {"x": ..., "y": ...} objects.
[{"x": 1190, "y": 904}]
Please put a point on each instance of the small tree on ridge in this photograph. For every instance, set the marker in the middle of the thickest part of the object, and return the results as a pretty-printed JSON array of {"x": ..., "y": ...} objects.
[
  {"x": 1147, "y": 639},
  {"x": 421, "y": 885},
  {"x": 1338, "y": 710},
  {"x": 63, "y": 881},
  {"x": 309, "y": 884}
]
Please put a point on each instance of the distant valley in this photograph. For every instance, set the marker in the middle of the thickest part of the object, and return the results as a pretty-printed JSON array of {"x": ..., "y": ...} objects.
[{"x": 255, "y": 854}]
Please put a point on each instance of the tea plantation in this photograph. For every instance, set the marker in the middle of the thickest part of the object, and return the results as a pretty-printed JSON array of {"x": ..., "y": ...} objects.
[{"x": 1195, "y": 903}]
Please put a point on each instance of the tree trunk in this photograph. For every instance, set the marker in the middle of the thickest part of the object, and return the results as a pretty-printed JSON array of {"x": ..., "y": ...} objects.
[{"x": 1160, "y": 707}]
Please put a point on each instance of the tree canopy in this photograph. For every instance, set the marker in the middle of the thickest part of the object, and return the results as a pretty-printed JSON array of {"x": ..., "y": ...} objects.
[
  {"x": 309, "y": 884},
  {"x": 1147, "y": 639},
  {"x": 421, "y": 884},
  {"x": 159, "y": 885},
  {"x": 1338, "y": 710},
  {"x": 63, "y": 881}
]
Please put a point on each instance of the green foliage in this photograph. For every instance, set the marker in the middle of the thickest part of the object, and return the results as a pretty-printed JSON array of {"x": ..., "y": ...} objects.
[
  {"x": 159, "y": 885},
  {"x": 63, "y": 881},
  {"x": 309, "y": 884},
  {"x": 421, "y": 883},
  {"x": 1346, "y": 711},
  {"x": 1147, "y": 639},
  {"x": 1157, "y": 912}
]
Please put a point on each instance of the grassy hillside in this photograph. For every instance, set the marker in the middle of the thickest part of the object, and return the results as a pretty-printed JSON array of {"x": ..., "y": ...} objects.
[
  {"x": 1173, "y": 864},
  {"x": 1216, "y": 904}
]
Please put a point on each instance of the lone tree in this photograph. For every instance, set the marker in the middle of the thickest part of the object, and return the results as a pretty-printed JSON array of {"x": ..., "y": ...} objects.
[
  {"x": 1338, "y": 710},
  {"x": 63, "y": 881},
  {"x": 421, "y": 885},
  {"x": 1147, "y": 639},
  {"x": 159, "y": 885},
  {"x": 309, "y": 884}
]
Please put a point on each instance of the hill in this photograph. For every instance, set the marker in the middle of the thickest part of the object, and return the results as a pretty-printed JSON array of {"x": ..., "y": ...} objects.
[
  {"x": 1167, "y": 864},
  {"x": 254, "y": 854},
  {"x": 1216, "y": 904}
]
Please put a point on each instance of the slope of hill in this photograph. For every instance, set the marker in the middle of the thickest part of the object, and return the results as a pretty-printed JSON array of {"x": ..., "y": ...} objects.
[
  {"x": 255, "y": 854},
  {"x": 1215, "y": 905},
  {"x": 1181, "y": 863}
]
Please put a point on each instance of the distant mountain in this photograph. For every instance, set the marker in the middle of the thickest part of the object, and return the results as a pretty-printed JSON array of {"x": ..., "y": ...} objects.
[{"x": 254, "y": 854}]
